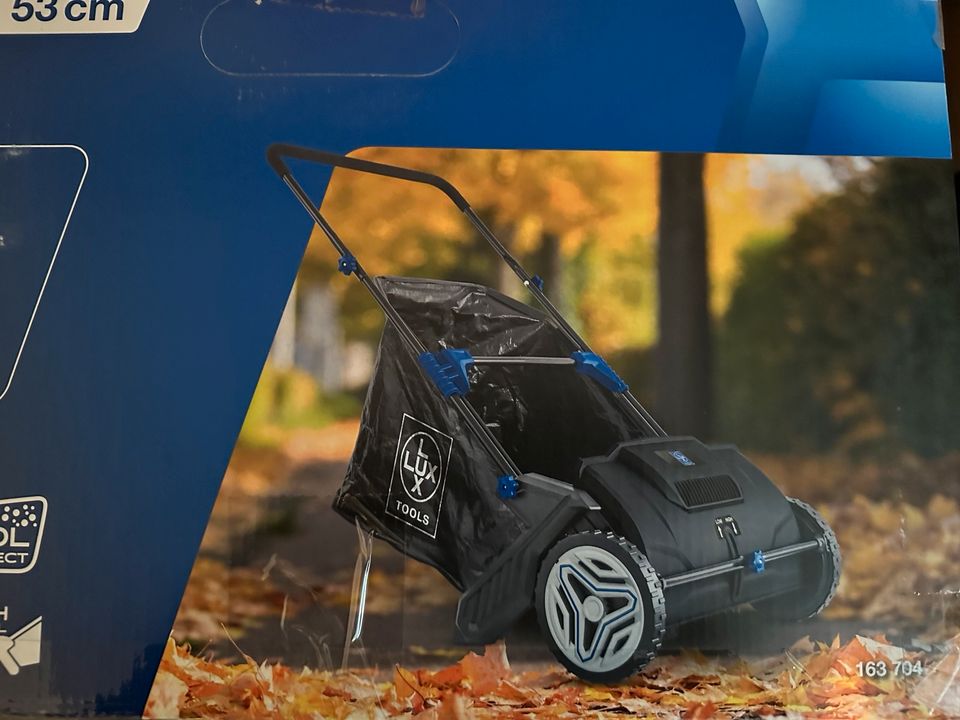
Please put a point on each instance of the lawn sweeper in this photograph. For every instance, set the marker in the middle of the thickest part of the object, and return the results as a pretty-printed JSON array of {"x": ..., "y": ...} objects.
[{"x": 497, "y": 447}]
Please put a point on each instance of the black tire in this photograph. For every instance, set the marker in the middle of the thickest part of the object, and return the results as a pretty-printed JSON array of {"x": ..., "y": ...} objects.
[
  {"x": 821, "y": 571},
  {"x": 626, "y": 591}
]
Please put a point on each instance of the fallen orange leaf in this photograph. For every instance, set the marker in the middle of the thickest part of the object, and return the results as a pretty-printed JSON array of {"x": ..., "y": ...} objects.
[
  {"x": 407, "y": 689},
  {"x": 701, "y": 711},
  {"x": 484, "y": 672}
]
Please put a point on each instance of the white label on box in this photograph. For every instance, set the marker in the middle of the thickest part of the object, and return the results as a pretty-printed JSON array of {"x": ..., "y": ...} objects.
[{"x": 70, "y": 17}]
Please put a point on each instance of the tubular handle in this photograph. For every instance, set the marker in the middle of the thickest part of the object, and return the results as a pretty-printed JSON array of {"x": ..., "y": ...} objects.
[{"x": 277, "y": 152}]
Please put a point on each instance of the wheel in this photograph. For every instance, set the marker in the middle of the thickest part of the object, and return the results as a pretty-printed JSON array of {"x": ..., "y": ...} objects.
[
  {"x": 821, "y": 571},
  {"x": 600, "y": 605}
]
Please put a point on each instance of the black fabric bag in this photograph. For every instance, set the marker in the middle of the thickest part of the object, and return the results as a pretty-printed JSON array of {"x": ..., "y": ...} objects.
[{"x": 419, "y": 478}]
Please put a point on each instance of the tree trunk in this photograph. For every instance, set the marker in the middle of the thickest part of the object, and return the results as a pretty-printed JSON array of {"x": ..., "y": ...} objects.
[
  {"x": 550, "y": 267},
  {"x": 683, "y": 361},
  {"x": 283, "y": 350},
  {"x": 507, "y": 281},
  {"x": 320, "y": 343}
]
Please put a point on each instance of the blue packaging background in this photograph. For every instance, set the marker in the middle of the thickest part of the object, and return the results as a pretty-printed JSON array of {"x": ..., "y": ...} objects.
[{"x": 177, "y": 263}]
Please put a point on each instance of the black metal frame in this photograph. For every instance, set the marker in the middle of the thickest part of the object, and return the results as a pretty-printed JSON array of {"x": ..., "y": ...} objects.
[
  {"x": 740, "y": 563},
  {"x": 278, "y": 153}
]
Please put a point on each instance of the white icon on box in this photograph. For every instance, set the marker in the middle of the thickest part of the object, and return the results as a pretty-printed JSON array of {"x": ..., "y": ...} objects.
[
  {"x": 21, "y": 531},
  {"x": 21, "y": 649}
]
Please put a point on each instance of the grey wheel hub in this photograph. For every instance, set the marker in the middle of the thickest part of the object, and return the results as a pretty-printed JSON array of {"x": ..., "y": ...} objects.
[{"x": 593, "y": 608}]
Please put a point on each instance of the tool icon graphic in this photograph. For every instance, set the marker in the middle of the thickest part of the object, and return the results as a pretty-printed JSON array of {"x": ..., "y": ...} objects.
[{"x": 22, "y": 648}]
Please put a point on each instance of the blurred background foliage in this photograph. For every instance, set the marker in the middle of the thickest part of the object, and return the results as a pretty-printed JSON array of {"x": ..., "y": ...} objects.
[
  {"x": 290, "y": 399},
  {"x": 845, "y": 331},
  {"x": 833, "y": 296},
  {"x": 585, "y": 221}
]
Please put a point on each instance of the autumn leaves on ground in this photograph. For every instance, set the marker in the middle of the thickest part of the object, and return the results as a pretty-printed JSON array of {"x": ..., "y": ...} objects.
[{"x": 809, "y": 681}]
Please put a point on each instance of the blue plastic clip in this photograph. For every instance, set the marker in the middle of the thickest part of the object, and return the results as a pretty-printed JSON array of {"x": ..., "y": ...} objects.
[
  {"x": 347, "y": 264},
  {"x": 448, "y": 370},
  {"x": 507, "y": 487},
  {"x": 538, "y": 282},
  {"x": 595, "y": 367},
  {"x": 758, "y": 562}
]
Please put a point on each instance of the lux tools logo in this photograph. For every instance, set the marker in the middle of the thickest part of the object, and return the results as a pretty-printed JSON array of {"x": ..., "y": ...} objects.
[
  {"x": 21, "y": 530},
  {"x": 419, "y": 475}
]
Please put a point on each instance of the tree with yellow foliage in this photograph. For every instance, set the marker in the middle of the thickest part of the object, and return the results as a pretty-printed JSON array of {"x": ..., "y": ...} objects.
[{"x": 584, "y": 221}]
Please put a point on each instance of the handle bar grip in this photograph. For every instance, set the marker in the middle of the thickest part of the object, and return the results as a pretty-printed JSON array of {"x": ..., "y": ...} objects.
[{"x": 278, "y": 152}]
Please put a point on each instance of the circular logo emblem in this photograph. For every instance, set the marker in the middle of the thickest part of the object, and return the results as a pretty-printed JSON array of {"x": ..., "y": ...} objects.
[{"x": 421, "y": 467}]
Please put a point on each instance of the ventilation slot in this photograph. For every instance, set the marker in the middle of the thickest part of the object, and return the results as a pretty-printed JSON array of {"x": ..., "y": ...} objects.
[{"x": 713, "y": 490}]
